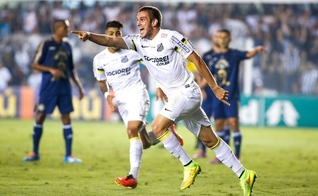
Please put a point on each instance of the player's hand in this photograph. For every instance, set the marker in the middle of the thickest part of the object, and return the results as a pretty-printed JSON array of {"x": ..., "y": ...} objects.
[
  {"x": 110, "y": 102},
  {"x": 222, "y": 95},
  {"x": 57, "y": 73},
  {"x": 81, "y": 92},
  {"x": 161, "y": 95},
  {"x": 82, "y": 35},
  {"x": 261, "y": 49}
]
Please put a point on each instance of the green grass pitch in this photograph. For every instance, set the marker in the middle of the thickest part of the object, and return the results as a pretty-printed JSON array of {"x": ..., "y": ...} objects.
[{"x": 285, "y": 159}]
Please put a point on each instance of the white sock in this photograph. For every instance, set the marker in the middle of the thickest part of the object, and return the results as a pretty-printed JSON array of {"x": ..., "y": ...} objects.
[
  {"x": 224, "y": 153},
  {"x": 135, "y": 154},
  {"x": 171, "y": 143}
]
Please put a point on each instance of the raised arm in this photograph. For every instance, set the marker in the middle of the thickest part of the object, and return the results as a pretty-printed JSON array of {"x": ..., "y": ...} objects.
[
  {"x": 202, "y": 68},
  {"x": 255, "y": 51},
  {"x": 101, "y": 39}
]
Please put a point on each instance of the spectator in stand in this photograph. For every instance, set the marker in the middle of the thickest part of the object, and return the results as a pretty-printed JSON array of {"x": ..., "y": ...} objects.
[{"x": 5, "y": 76}]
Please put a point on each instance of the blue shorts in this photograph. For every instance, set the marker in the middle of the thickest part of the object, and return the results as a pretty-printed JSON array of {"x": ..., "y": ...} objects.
[
  {"x": 221, "y": 110},
  {"x": 47, "y": 103},
  {"x": 207, "y": 106}
]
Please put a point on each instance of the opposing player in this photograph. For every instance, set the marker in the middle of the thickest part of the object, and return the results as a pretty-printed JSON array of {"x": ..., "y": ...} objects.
[
  {"x": 224, "y": 63},
  {"x": 120, "y": 69},
  {"x": 54, "y": 59},
  {"x": 163, "y": 52}
]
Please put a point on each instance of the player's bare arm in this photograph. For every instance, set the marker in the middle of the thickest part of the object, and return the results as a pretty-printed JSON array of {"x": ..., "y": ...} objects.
[
  {"x": 255, "y": 51},
  {"x": 101, "y": 39},
  {"x": 55, "y": 72},
  {"x": 105, "y": 90},
  {"x": 161, "y": 95},
  {"x": 78, "y": 83},
  {"x": 202, "y": 68}
]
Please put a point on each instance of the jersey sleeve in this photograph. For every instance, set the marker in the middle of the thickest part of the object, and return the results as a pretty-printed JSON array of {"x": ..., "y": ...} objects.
[
  {"x": 99, "y": 72},
  {"x": 40, "y": 53},
  {"x": 130, "y": 41},
  {"x": 181, "y": 44},
  {"x": 242, "y": 54}
]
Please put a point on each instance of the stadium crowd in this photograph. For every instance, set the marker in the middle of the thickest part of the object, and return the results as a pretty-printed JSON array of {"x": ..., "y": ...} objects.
[{"x": 289, "y": 32}]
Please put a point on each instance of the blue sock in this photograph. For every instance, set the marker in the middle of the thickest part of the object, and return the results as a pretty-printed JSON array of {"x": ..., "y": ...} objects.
[
  {"x": 227, "y": 134},
  {"x": 237, "y": 137},
  {"x": 68, "y": 137},
  {"x": 37, "y": 133},
  {"x": 221, "y": 134}
]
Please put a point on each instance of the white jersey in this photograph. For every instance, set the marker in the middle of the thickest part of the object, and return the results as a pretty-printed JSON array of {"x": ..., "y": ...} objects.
[
  {"x": 121, "y": 70},
  {"x": 164, "y": 56}
]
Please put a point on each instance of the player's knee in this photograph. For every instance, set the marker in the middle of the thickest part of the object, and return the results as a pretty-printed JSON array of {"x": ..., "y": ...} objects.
[
  {"x": 157, "y": 129},
  {"x": 132, "y": 133}
]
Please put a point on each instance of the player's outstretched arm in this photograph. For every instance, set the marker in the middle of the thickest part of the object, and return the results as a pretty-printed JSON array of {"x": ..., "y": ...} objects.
[
  {"x": 202, "y": 68},
  {"x": 255, "y": 51},
  {"x": 101, "y": 39}
]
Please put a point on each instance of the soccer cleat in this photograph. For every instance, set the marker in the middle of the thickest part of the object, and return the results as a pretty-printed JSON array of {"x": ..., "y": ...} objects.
[
  {"x": 31, "y": 157},
  {"x": 200, "y": 154},
  {"x": 71, "y": 159},
  {"x": 215, "y": 161},
  {"x": 172, "y": 128},
  {"x": 128, "y": 181},
  {"x": 247, "y": 181},
  {"x": 189, "y": 174}
]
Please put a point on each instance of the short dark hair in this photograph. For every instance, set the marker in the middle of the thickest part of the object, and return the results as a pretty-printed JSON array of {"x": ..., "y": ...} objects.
[
  {"x": 57, "y": 23},
  {"x": 225, "y": 31},
  {"x": 114, "y": 23},
  {"x": 154, "y": 13}
]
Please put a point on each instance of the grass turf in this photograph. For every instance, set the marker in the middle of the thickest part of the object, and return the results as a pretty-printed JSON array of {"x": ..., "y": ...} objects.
[{"x": 285, "y": 159}]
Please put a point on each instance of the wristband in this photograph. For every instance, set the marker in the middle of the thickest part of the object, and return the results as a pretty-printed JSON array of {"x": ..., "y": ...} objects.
[
  {"x": 106, "y": 94},
  {"x": 88, "y": 34}
]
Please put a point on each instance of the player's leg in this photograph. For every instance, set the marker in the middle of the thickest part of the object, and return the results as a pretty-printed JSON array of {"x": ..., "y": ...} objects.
[
  {"x": 179, "y": 106},
  {"x": 207, "y": 108},
  {"x": 66, "y": 107},
  {"x": 146, "y": 139},
  {"x": 36, "y": 137},
  {"x": 237, "y": 136},
  {"x": 135, "y": 155},
  {"x": 233, "y": 113},
  {"x": 219, "y": 131},
  {"x": 45, "y": 105},
  {"x": 171, "y": 143},
  {"x": 224, "y": 153}
]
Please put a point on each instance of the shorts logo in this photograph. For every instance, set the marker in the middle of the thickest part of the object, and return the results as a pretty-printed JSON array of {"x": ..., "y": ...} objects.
[
  {"x": 124, "y": 59},
  {"x": 168, "y": 110},
  {"x": 160, "y": 47}
]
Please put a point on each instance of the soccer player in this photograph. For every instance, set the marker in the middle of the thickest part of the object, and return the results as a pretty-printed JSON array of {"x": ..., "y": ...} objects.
[
  {"x": 54, "y": 59},
  {"x": 224, "y": 63},
  {"x": 120, "y": 69},
  {"x": 163, "y": 52}
]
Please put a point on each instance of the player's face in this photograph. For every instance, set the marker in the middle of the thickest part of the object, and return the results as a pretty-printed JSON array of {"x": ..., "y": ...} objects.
[
  {"x": 223, "y": 39},
  {"x": 113, "y": 32},
  {"x": 144, "y": 25},
  {"x": 63, "y": 29}
]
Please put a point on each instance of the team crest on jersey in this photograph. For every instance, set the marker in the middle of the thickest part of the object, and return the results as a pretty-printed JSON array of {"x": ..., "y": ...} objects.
[
  {"x": 124, "y": 59},
  {"x": 222, "y": 64},
  {"x": 160, "y": 47}
]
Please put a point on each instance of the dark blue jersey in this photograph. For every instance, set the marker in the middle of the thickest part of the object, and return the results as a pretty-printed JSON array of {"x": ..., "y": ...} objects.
[
  {"x": 225, "y": 68},
  {"x": 55, "y": 55}
]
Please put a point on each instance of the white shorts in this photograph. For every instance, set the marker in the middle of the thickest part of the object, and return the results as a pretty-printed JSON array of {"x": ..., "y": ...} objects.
[
  {"x": 133, "y": 107},
  {"x": 185, "y": 106}
]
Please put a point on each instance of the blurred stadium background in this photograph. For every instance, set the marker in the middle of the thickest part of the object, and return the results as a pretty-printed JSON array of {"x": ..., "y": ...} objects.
[{"x": 279, "y": 88}]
